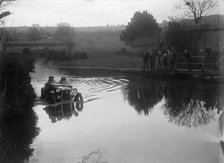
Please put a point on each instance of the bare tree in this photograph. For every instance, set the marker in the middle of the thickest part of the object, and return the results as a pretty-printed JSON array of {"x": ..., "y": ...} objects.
[
  {"x": 7, "y": 35},
  {"x": 198, "y": 8},
  {"x": 65, "y": 33},
  {"x": 3, "y": 5}
]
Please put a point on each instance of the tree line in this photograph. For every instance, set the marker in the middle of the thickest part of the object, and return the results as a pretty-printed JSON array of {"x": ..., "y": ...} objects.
[{"x": 177, "y": 34}]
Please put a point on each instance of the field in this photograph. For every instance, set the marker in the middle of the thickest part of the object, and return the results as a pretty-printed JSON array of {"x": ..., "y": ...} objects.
[
  {"x": 99, "y": 43},
  {"x": 104, "y": 60}
]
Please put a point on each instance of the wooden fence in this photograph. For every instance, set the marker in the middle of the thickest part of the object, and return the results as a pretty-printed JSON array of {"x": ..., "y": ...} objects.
[{"x": 200, "y": 65}]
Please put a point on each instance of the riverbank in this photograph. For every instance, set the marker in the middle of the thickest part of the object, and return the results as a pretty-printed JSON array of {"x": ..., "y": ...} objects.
[
  {"x": 132, "y": 73},
  {"x": 103, "y": 60},
  {"x": 102, "y": 63}
]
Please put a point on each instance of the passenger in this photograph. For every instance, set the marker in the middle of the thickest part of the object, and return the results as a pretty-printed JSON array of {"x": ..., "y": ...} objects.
[
  {"x": 63, "y": 81},
  {"x": 49, "y": 82}
]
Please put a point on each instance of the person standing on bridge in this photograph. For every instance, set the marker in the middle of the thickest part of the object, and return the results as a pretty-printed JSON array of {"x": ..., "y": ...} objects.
[
  {"x": 173, "y": 60},
  {"x": 146, "y": 61},
  {"x": 188, "y": 57},
  {"x": 152, "y": 60}
]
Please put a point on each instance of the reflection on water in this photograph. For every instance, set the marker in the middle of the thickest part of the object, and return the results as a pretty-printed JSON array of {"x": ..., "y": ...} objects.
[
  {"x": 186, "y": 103},
  {"x": 17, "y": 133},
  {"x": 132, "y": 119},
  {"x": 60, "y": 111},
  {"x": 18, "y": 126}
]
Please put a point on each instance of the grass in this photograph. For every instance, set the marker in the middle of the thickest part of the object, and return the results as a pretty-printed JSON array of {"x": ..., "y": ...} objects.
[
  {"x": 93, "y": 57},
  {"x": 105, "y": 60}
]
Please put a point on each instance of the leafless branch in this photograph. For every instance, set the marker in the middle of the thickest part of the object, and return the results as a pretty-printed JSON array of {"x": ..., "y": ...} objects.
[{"x": 198, "y": 8}]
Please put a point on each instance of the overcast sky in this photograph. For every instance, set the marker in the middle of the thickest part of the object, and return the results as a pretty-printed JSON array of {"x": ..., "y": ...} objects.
[{"x": 86, "y": 12}]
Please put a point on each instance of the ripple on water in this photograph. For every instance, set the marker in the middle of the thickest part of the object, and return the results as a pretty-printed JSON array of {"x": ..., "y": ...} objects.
[{"x": 93, "y": 88}]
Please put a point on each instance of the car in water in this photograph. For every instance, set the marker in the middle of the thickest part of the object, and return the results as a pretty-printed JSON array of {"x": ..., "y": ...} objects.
[{"x": 57, "y": 93}]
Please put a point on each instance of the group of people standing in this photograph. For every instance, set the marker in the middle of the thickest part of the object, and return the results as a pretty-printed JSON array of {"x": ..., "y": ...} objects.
[{"x": 159, "y": 60}]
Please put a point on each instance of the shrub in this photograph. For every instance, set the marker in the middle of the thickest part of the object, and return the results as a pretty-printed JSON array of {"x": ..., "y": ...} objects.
[{"x": 15, "y": 81}]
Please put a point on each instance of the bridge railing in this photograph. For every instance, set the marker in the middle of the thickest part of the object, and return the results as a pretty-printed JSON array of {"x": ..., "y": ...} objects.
[{"x": 199, "y": 63}]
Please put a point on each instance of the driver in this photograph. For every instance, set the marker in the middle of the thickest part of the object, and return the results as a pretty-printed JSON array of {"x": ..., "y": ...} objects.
[{"x": 49, "y": 82}]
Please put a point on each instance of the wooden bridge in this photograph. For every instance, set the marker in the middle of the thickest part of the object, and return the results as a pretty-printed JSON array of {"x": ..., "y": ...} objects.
[{"x": 200, "y": 66}]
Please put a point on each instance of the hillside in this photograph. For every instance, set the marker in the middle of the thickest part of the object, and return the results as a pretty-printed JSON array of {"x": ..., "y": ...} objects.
[
  {"x": 103, "y": 38},
  {"x": 87, "y": 39}
]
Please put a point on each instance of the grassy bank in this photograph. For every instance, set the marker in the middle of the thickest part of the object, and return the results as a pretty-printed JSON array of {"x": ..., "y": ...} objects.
[{"x": 104, "y": 60}]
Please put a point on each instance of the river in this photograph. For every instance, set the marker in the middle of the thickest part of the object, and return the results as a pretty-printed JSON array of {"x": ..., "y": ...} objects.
[{"x": 128, "y": 119}]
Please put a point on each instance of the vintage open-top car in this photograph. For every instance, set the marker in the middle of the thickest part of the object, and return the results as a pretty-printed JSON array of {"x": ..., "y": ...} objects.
[{"x": 61, "y": 93}]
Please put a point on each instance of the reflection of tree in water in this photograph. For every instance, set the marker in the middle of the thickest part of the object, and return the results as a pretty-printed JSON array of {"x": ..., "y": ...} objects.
[
  {"x": 93, "y": 157},
  {"x": 17, "y": 126},
  {"x": 17, "y": 122},
  {"x": 188, "y": 103},
  {"x": 17, "y": 133},
  {"x": 143, "y": 95},
  {"x": 191, "y": 104}
]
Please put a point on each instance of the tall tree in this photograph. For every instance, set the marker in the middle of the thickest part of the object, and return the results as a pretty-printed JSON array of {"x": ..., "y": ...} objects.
[
  {"x": 141, "y": 24},
  {"x": 66, "y": 33},
  {"x": 178, "y": 35},
  {"x": 198, "y": 8},
  {"x": 34, "y": 34},
  {"x": 7, "y": 35}
]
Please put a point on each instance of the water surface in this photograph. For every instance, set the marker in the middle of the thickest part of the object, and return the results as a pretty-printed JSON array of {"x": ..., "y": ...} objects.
[{"x": 131, "y": 120}]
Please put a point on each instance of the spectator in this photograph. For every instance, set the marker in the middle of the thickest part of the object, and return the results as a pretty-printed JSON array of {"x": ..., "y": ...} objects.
[
  {"x": 169, "y": 59},
  {"x": 146, "y": 61},
  {"x": 174, "y": 56},
  {"x": 158, "y": 60},
  {"x": 165, "y": 60},
  {"x": 188, "y": 57},
  {"x": 152, "y": 60}
]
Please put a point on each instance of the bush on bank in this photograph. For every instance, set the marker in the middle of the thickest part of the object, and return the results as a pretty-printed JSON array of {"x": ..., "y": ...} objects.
[{"x": 15, "y": 80}]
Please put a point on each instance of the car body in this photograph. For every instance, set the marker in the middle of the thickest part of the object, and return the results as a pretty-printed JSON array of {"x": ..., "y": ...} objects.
[{"x": 56, "y": 93}]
